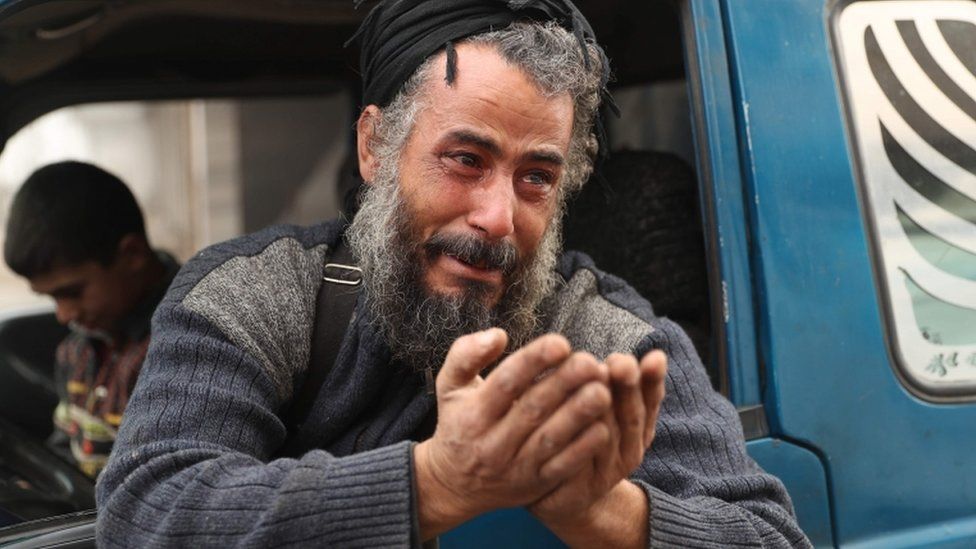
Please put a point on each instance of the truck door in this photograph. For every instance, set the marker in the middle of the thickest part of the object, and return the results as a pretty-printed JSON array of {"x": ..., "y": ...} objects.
[{"x": 856, "y": 125}]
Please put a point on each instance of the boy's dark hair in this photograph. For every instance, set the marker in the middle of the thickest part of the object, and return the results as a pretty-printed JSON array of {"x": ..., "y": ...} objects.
[{"x": 66, "y": 214}]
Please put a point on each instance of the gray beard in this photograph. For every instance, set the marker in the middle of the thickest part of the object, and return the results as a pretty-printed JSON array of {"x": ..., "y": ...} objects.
[{"x": 419, "y": 324}]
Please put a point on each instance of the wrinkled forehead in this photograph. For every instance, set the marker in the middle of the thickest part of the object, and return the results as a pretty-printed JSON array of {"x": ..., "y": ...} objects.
[{"x": 496, "y": 99}]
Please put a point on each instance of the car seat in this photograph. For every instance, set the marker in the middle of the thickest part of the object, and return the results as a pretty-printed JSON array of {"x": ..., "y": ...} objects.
[
  {"x": 641, "y": 221},
  {"x": 27, "y": 394}
]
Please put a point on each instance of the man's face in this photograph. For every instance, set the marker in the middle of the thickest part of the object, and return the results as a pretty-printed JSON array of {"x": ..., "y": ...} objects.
[
  {"x": 483, "y": 163},
  {"x": 463, "y": 232},
  {"x": 89, "y": 295}
]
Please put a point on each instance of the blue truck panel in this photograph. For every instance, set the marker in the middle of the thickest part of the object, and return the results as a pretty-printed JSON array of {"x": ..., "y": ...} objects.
[
  {"x": 895, "y": 462},
  {"x": 722, "y": 193}
]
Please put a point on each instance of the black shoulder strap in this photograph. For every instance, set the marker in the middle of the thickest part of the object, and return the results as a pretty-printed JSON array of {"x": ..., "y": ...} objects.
[{"x": 341, "y": 281}]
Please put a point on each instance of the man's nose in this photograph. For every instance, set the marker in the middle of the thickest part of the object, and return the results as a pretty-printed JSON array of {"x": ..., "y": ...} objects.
[
  {"x": 493, "y": 210},
  {"x": 66, "y": 311}
]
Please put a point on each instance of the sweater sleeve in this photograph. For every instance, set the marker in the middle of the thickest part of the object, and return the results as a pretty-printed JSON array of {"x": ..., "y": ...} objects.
[
  {"x": 703, "y": 488},
  {"x": 192, "y": 465}
]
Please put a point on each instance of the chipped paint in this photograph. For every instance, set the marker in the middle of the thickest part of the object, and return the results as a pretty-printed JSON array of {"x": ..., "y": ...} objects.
[{"x": 725, "y": 301}]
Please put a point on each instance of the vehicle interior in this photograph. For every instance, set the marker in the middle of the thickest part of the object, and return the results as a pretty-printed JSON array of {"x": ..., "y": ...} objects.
[{"x": 283, "y": 67}]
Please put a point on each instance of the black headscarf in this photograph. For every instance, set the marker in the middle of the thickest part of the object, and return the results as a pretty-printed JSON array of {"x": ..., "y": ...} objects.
[{"x": 399, "y": 35}]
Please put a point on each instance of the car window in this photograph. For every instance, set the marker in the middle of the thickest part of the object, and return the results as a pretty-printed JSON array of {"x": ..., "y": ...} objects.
[
  {"x": 910, "y": 74},
  {"x": 203, "y": 171}
]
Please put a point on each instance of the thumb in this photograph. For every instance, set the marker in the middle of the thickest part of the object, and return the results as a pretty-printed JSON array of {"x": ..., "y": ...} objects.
[{"x": 468, "y": 356}]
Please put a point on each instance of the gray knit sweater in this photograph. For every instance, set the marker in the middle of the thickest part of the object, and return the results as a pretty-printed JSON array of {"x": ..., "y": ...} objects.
[{"x": 196, "y": 461}]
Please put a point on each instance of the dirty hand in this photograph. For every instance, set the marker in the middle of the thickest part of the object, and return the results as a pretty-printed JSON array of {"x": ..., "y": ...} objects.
[
  {"x": 507, "y": 440},
  {"x": 626, "y": 431}
]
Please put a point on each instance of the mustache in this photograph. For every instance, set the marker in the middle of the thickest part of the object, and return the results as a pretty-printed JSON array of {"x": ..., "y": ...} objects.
[{"x": 502, "y": 256}]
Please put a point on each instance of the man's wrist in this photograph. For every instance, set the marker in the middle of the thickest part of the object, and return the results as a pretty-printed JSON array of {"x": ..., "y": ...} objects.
[
  {"x": 439, "y": 508},
  {"x": 618, "y": 519}
]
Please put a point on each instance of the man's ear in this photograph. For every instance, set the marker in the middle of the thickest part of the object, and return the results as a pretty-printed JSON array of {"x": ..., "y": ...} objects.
[{"x": 365, "y": 133}]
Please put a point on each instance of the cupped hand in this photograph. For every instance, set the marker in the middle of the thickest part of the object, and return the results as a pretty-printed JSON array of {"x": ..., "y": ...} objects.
[
  {"x": 638, "y": 390},
  {"x": 509, "y": 438}
]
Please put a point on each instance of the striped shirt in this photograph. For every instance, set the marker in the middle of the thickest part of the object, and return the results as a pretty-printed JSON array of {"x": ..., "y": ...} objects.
[{"x": 95, "y": 377}]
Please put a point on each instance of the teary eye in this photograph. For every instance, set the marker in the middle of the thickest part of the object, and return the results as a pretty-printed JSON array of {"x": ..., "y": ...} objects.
[
  {"x": 466, "y": 159},
  {"x": 538, "y": 178},
  {"x": 463, "y": 163}
]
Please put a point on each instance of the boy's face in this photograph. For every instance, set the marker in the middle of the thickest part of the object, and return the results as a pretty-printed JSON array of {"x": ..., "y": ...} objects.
[{"x": 90, "y": 295}]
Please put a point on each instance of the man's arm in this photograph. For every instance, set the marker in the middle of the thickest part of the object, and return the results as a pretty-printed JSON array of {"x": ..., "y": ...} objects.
[
  {"x": 696, "y": 486},
  {"x": 701, "y": 487},
  {"x": 700, "y": 482},
  {"x": 190, "y": 466}
]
